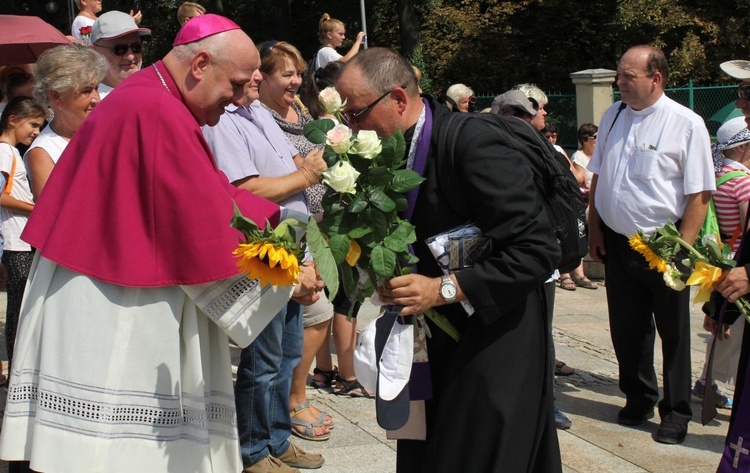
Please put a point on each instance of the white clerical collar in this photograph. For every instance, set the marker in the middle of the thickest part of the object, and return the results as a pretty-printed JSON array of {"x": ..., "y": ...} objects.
[{"x": 652, "y": 108}]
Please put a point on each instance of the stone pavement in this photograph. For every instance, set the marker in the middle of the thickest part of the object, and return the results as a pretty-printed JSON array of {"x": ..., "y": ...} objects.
[{"x": 590, "y": 397}]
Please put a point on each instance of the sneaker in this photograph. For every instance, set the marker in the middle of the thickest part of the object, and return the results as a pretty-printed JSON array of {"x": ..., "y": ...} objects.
[
  {"x": 298, "y": 458},
  {"x": 270, "y": 465},
  {"x": 722, "y": 401},
  {"x": 561, "y": 420},
  {"x": 671, "y": 433}
]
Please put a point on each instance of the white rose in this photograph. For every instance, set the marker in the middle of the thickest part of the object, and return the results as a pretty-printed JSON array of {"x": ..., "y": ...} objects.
[
  {"x": 673, "y": 278},
  {"x": 367, "y": 144},
  {"x": 331, "y": 100},
  {"x": 341, "y": 177},
  {"x": 339, "y": 138}
]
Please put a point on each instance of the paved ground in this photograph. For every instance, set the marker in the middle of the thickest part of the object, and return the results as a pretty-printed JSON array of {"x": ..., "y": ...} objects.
[{"x": 595, "y": 443}]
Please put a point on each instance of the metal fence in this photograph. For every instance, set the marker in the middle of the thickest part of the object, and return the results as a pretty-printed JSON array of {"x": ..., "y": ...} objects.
[{"x": 715, "y": 103}]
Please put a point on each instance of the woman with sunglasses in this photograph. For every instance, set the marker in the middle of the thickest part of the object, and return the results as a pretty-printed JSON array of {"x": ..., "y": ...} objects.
[
  {"x": 67, "y": 79},
  {"x": 587, "y": 140},
  {"x": 281, "y": 69}
]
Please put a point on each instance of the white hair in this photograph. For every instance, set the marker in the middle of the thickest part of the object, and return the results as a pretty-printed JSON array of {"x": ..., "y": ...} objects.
[
  {"x": 534, "y": 92},
  {"x": 458, "y": 92}
]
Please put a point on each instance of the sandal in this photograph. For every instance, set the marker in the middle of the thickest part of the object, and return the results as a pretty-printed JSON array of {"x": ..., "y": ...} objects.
[
  {"x": 561, "y": 369},
  {"x": 567, "y": 283},
  {"x": 306, "y": 430},
  {"x": 350, "y": 388},
  {"x": 328, "y": 378},
  {"x": 585, "y": 283}
]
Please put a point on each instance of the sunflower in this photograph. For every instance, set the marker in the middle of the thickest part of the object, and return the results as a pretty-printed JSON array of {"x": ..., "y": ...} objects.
[
  {"x": 654, "y": 260},
  {"x": 275, "y": 265}
]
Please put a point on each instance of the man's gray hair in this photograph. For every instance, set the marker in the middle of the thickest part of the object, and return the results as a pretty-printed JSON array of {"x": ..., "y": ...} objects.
[
  {"x": 383, "y": 69},
  {"x": 213, "y": 45},
  {"x": 65, "y": 68},
  {"x": 534, "y": 92}
]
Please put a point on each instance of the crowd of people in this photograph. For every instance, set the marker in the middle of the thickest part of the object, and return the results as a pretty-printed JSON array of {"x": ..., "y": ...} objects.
[{"x": 120, "y": 310}]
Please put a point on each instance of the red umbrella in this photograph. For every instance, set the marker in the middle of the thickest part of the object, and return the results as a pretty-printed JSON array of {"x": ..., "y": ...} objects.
[{"x": 24, "y": 38}]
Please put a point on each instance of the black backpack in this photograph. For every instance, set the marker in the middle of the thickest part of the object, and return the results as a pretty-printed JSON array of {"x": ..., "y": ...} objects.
[{"x": 561, "y": 195}]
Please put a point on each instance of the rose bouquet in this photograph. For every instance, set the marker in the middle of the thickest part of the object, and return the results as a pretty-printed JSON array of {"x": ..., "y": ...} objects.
[
  {"x": 367, "y": 184},
  {"x": 85, "y": 33},
  {"x": 682, "y": 264}
]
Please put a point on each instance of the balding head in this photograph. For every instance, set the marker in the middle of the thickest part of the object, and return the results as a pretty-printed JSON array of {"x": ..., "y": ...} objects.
[
  {"x": 211, "y": 73},
  {"x": 375, "y": 73}
]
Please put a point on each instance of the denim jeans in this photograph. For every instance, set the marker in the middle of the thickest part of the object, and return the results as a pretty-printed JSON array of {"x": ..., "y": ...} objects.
[{"x": 264, "y": 379}]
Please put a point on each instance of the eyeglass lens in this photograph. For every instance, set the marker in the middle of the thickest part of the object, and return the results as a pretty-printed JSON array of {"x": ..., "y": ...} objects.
[{"x": 122, "y": 49}]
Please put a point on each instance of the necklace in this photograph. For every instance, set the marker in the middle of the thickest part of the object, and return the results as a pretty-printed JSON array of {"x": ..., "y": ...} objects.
[{"x": 161, "y": 78}]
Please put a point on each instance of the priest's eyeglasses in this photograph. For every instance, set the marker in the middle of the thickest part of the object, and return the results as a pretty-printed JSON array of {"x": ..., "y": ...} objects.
[
  {"x": 353, "y": 117},
  {"x": 743, "y": 91}
]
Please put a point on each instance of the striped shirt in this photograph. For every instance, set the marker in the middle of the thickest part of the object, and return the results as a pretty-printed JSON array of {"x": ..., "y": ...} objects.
[{"x": 729, "y": 196}]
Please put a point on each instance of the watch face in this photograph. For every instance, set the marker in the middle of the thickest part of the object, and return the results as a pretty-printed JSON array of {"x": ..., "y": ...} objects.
[{"x": 448, "y": 291}]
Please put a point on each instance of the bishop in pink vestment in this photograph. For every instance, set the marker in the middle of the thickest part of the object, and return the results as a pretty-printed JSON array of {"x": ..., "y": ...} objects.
[{"x": 122, "y": 350}]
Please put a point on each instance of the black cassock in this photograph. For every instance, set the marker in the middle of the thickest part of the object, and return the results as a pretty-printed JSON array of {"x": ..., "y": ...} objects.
[{"x": 492, "y": 408}]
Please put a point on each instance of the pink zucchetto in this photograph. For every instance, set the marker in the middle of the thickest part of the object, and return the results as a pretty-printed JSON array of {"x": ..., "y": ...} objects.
[{"x": 203, "y": 26}]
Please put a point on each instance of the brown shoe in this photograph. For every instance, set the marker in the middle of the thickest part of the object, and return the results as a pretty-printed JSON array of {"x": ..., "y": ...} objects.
[
  {"x": 270, "y": 465},
  {"x": 298, "y": 458}
]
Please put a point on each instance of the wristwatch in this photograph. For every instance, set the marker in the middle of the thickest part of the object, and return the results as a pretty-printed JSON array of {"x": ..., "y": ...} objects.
[{"x": 448, "y": 290}]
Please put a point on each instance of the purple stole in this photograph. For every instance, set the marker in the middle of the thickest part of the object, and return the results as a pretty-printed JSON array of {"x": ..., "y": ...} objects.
[
  {"x": 420, "y": 381},
  {"x": 736, "y": 456}
]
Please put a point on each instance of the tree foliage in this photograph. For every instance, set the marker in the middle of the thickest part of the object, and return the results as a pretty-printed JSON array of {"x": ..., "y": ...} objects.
[{"x": 489, "y": 45}]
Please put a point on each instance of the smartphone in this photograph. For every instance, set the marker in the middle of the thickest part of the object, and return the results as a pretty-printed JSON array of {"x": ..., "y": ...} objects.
[{"x": 136, "y": 6}]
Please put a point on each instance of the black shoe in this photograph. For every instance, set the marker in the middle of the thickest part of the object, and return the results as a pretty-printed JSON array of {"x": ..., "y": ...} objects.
[
  {"x": 561, "y": 420},
  {"x": 631, "y": 415},
  {"x": 671, "y": 433}
]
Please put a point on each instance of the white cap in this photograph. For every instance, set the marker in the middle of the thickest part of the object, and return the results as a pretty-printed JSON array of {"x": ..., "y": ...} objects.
[
  {"x": 393, "y": 368},
  {"x": 733, "y": 133},
  {"x": 737, "y": 68},
  {"x": 114, "y": 24}
]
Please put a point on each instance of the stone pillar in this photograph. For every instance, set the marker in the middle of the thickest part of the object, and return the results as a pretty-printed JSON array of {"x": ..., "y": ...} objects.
[
  {"x": 593, "y": 94},
  {"x": 593, "y": 97}
]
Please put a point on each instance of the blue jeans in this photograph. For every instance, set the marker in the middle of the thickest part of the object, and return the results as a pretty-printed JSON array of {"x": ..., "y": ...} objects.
[{"x": 264, "y": 379}]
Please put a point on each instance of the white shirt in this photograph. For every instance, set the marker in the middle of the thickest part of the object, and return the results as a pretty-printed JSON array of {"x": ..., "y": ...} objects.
[
  {"x": 580, "y": 158},
  {"x": 50, "y": 142},
  {"x": 104, "y": 90},
  {"x": 649, "y": 164},
  {"x": 325, "y": 55},
  {"x": 79, "y": 22},
  {"x": 14, "y": 223}
]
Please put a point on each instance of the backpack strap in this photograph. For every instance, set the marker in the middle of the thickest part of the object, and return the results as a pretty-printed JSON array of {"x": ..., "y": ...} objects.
[
  {"x": 447, "y": 136},
  {"x": 9, "y": 184},
  {"x": 719, "y": 182}
]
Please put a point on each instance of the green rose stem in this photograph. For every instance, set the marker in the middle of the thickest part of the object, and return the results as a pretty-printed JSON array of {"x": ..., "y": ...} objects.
[{"x": 437, "y": 318}]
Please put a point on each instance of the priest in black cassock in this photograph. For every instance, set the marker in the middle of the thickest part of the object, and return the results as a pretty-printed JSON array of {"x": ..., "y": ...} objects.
[{"x": 491, "y": 401}]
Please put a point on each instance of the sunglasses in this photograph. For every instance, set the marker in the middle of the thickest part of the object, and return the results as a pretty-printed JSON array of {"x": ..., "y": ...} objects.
[
  {"x": 592, "y": 137},
  {"x": 352, "y": 118},
  {"x": 743, "y": 91},
  {"x": 122, "y": 49},
  {"x": 267, "y": 47}
]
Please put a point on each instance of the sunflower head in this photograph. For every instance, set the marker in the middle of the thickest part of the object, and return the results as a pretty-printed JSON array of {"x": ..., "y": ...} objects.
[
  {"x": 271, "y": 263},
  {"x": 654, "y": 260}
]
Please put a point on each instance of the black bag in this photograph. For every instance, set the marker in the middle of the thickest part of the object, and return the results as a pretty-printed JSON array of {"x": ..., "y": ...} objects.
[{"x": 556, "y": 184}]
